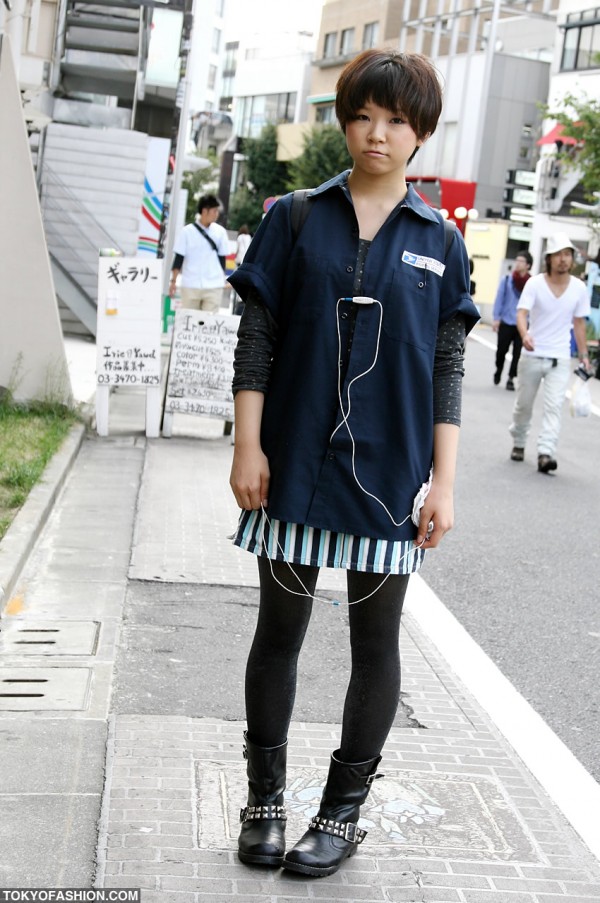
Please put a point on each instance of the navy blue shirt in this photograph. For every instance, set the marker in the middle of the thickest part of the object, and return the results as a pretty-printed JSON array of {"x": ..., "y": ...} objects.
[{"x": 315, "y": 472}]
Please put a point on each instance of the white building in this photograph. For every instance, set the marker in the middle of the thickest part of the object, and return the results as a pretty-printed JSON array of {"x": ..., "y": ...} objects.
[
  {"x": 575, "y": 71},
  {"x": 272, "y": 74}
]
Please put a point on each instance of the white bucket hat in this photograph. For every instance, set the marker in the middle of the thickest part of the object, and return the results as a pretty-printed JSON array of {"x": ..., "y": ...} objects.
[{"x": 557, "y": 242}]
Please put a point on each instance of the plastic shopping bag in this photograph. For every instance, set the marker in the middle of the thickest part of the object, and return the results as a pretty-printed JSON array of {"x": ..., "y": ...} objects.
[{"x": 581, "y": 399}]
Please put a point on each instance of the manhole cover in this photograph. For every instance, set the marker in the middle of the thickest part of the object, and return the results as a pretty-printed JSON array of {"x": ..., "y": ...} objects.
[
  {"x": 22, "y": 637},
  {"x": 44, "y": 689},
  {"x": 440, "y": 815}
]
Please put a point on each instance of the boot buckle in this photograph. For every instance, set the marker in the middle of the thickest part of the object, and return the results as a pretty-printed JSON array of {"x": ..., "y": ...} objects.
[{"x": 350, "y": 832}]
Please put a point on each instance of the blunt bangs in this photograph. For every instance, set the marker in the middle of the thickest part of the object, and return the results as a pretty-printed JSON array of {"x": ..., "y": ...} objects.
[{"x": 404, "y": 83}]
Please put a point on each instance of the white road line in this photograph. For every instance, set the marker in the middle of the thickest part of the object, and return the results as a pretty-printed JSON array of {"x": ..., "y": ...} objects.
[{"x": 563, "y": 777}]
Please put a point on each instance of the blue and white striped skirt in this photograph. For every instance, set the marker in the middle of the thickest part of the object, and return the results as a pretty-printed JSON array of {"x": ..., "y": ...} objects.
[{"x": 298, "y": 544}]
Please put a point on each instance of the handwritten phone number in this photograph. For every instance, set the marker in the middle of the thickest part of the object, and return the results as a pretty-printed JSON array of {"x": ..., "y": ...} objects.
[
  {"x": 131, "y": 379},
  {"x": 189, "y": 407}
]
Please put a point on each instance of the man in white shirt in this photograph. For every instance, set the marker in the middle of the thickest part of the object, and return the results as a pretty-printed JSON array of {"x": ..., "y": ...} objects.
[
  {"x": 550, "y": 303},
  {"x": 200, "y": 251}
]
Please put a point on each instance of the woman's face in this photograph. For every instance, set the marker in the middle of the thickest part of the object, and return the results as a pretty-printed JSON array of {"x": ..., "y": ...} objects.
[{"x": 380, "y": 141}]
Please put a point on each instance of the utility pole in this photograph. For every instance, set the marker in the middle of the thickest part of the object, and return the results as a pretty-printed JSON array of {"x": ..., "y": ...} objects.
[{"x": 179, "y": 128}]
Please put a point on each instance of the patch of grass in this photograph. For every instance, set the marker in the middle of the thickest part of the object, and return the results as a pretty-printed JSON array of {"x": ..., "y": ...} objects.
[{"x": 29, "y": 436}]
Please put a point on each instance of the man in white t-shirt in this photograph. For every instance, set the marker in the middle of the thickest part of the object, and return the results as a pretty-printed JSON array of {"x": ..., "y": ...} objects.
[
  {"x": 549, "y": 304},
  {"x": 200, "y": 251}
]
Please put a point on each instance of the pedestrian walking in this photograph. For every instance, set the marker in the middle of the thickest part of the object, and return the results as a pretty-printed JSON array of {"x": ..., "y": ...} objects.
[
  {"x": 347, "y": 398},
  {"x": 505, "y": 317},
  {"x": 549, "y": 305},
  {"x": 200, "y": 250}
]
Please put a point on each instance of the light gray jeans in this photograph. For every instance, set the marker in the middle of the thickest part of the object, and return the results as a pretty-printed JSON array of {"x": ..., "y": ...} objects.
[{"x": 532, "y": 371}]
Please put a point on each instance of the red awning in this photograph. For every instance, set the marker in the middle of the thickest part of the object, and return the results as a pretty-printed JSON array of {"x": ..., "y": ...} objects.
[{"x": 556, "y": 134}]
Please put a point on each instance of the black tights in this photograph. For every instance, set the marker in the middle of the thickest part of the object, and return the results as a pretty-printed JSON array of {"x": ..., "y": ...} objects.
[{"x": 374, "y": 688}]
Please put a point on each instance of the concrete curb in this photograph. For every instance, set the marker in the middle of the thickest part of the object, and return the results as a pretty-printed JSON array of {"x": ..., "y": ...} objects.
[{"x": 21, "y": 536}]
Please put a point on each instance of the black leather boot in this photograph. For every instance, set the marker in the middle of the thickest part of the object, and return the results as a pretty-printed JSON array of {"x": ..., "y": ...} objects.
[
  {"x": 262, "y": 838},
  {"x": 333, "y": 834}
]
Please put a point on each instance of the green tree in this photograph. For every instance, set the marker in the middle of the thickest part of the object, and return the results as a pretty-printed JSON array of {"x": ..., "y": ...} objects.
[
  {"x": 266, "y": 177},
  {"x": 580, "y": 119},
  {"x": 203, "y": 181},
  {"x": 265, "y": 172},
  {"x": 324, "y": 155},
  {"x": 245, "y": 208}
]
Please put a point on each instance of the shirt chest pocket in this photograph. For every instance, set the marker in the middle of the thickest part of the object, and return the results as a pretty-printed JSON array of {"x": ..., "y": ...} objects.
[{"x": 411, "y": 305}]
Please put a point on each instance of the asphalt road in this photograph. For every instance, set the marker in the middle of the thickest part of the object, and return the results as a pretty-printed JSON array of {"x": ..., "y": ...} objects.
[{"x": 521, "y": 569}]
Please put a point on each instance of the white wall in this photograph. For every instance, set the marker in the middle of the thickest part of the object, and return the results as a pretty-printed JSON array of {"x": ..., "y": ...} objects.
[{"x": 32, "y": 356}]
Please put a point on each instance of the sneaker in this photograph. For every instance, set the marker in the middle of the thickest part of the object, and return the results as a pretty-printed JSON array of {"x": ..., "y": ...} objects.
[
  {"x": 517, "y": 454},
  {"x": 510, "y": 385},
  {"x": 496, "y": 378},
  {"x": 546, "y": 463}
]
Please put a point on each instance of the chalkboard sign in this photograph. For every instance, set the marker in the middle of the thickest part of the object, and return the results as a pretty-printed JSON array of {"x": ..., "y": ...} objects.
[
  {"x": 201, "y": 365},
  {"x": 129, "y": 321}
]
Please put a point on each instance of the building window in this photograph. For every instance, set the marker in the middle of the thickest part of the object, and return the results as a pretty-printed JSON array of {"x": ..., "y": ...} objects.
[
  {"x": 370, "y": 35},
  {"x": 325, "y": 113},
  {"x": 330, "y": 45},
  {"x": 230, "y": 61},
  {"x": 216, "y": 40},
  {"x": 212, "y": 77},
  {"x": 581, "y": 46},
  {"x": 347, "y": 41},
  {"x": 220, "y": 7},
  {"x": 253, "y": 113}
]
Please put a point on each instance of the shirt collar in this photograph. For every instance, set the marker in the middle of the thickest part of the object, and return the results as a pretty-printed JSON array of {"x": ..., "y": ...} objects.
[{"x": 412, "y": 199}]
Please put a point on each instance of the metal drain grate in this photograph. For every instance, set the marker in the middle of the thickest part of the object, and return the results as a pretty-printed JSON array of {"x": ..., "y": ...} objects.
[
  {"x": 44, "y": 689},
  {"x": 22, "y": 637}
]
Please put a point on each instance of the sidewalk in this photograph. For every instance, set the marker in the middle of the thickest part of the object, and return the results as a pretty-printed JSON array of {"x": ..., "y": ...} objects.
[{"x": 99, "y": 787}]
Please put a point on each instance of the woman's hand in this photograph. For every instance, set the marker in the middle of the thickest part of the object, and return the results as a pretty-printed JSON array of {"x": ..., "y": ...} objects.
[
  {"x": 250, "y": 472},
  {"x": 439, "y": 504},
  {"x": 249, "y": 478},
  {"x": 439, "y": 508}
]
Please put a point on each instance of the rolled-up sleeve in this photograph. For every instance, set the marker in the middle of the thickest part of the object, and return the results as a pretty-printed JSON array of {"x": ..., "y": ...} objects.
[
  {"x": 455, "y": 295},
  {"x": 266, "y": 260}
]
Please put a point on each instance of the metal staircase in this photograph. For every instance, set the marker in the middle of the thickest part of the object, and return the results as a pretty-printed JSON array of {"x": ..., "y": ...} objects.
[{"x": 104, "y": 48}]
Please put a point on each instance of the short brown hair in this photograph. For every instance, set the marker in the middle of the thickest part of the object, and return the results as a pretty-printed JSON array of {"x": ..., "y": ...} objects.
[{"x": 406, "y": 83}]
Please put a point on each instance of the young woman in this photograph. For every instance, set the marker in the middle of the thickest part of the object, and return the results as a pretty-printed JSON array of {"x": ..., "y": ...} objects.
[{"x": 347, "y": 396}]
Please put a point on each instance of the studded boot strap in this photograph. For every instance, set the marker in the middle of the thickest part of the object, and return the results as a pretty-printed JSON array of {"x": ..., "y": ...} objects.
[
  {"x": 262, "y": 813},
  {"x": 346, "y": 830}
]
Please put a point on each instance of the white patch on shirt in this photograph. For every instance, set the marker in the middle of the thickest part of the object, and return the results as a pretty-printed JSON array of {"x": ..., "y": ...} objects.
[{"x": 423, "y": 263}]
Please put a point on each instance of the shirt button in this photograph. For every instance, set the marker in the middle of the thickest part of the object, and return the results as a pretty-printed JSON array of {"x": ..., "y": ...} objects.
[
  {"x": 421, "y": 284},
  {"x": 349, "y": 269},
  {"x": 331, "y": 456},
  {"x": 344, "y": 316}
]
